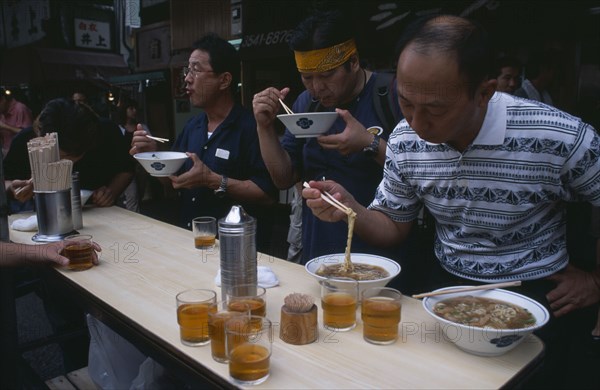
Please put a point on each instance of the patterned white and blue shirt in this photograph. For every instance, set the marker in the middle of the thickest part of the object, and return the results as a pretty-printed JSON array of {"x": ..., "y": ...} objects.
[{"x": 498, "y": 205}]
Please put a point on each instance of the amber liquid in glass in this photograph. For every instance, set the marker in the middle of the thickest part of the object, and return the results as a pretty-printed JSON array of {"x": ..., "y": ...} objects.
[
  {"x": 80, "y": 255},
  {"x": 216, "y": 328},
  {"x": 339, "y": 311},
  {"x": 249, "y": 362},
  {"x": 258, "y": 306},
  {"x": 204, "y": 242},
  {"x": 193, "y": 323},
  {"x": 380, "y": 317}
]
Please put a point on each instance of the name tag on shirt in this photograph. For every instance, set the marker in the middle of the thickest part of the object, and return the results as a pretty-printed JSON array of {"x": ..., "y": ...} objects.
[{"x": 222, "y": 153}]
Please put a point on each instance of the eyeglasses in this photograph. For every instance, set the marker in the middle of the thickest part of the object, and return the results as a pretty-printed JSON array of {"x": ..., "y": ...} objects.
[{"x": 189, "y": 69}]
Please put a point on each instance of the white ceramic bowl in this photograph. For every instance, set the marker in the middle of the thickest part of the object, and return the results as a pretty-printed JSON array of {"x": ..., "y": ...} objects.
[
  {"x": 161, "y": 163},
  {"x": 85, "y": 196},
  {"x": 487, "y": 341},
  {"x": 389, "y": 265},
  {"x": 308, "y": 124}
]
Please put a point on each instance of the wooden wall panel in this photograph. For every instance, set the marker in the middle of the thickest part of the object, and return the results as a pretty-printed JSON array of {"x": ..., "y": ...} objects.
[{"x": 196, "y": 18}]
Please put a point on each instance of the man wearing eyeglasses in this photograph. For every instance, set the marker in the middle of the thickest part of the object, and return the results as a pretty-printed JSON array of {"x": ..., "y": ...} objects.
[{"x": 225, "y": 165}]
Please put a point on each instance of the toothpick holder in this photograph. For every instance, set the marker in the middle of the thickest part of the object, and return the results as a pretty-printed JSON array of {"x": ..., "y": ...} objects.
[{"x": 299, "y": 328}]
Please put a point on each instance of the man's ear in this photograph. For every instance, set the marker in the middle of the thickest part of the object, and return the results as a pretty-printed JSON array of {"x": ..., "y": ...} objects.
[
  {"x": 355, "y": 61},
  {"x": 486, "y": 91},
  {"x": 226, "y": 80}
]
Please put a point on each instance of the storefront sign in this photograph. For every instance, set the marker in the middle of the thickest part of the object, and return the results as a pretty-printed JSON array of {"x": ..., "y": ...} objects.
[
  {"x": 92, "y": 34},
  {"x": 266, "y": 39},
  {"x": 21, "y": 22}
]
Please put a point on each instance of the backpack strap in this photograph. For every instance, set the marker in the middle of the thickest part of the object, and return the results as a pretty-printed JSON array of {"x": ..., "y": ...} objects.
[{"x": 383, "y": 101}]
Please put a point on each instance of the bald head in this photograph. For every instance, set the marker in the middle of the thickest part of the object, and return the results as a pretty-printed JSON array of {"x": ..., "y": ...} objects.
[{"x": 459, "y": 39}]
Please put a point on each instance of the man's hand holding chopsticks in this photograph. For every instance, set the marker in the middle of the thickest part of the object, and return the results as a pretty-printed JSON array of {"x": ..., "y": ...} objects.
[
  {"x": 22, "y": 190},
  {"x": 324, "y": 210},
  {"x": 140, "y": 143}
]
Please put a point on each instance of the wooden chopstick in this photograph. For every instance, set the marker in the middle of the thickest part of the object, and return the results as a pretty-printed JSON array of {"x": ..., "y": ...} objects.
[
  {"x": 327, "y": 197},
  {"x": 285, "y": 107},
  {"x": 161, "y": 140},
  {"x": 470, "y": 288}
]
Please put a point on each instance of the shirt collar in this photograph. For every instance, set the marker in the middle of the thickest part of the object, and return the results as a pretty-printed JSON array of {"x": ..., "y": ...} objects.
[{"x": 493, "y": 128}]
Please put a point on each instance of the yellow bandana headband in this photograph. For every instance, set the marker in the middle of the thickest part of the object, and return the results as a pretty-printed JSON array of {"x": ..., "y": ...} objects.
[{"x": 322, "y": 60}]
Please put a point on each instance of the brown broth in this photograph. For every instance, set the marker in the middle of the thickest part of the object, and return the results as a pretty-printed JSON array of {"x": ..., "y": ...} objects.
[
  {"x": 361, "y": 271},
  {"x": 484, "y": 313}
]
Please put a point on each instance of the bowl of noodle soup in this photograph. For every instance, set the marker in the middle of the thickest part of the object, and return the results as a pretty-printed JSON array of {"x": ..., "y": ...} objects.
[
  {"x": 486, "y": 323},
  {"x": 370, "y": 270}
]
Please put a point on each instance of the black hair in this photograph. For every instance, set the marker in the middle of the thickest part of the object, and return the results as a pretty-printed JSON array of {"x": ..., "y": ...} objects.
[
  {"x": 223, "y": 57},
  {"x": 321, "y": 30},
  {"x": 75, "y": 124},
  {"x": 122, "y": 107},
  {"x": 503, "y": 62},
  {"x": 465, "y": 39}
]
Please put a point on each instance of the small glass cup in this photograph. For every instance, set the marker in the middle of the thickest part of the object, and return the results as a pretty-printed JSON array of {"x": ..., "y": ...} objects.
[
  {"x": 339, "y": 298},
  {"x": 249, "y": 345},
  {"x": 380, "y": 312},
  {"x": 250, "y": 294},
  {"x": 193, "y": 307},
  {"x": 205, "y": 232},
  {"x": 79, "y": 249},
  {"x": 217, "y": 317}
]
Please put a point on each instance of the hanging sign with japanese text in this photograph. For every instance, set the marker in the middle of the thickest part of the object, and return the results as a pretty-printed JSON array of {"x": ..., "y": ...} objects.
[{"x": 92, "y": 34}]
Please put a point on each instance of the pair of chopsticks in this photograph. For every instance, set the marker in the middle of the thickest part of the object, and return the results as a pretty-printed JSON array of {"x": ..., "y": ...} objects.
[
  {"x": 470, "y": 288},
  {"x": 286, "y": 108},
  {"x": 327, "y": 197},
  {"x": 158, "y": 139}
]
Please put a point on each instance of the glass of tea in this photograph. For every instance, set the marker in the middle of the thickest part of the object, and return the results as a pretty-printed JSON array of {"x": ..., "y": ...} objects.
[
  {"x": 339, "y": 296},
  {"x": 205, "y": 232},
  {"x": 380, "y": 313},
  {"x": 193, "y": 307},
  {"x": 249, "y": 344},
  {"x": 79, "y": 249},
  {"x": 217, "y": 316},
  {"x": 250, "y": 294}
]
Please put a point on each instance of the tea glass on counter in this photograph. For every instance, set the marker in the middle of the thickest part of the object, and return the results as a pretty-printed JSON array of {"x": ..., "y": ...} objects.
[
  {"x": 380, "y": 312},
  {"x": 339, "y": 297},
  {"x": 79, "y": 249},
  {"x": 218, "y": 314},
  {"x": 205, "y": 232},
  {"x": 249, "y": 344},
  {"x": 193, "y": 307},
  {"x": 250, "y": 294}
]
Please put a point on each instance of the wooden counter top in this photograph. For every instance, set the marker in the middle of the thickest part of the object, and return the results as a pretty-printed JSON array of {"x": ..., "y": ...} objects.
[{"x": 145, "y": 263}]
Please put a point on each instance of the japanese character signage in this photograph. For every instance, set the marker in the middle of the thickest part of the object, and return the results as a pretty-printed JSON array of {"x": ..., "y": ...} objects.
[
  {"x": 92, "y": 34},
  {"x": 21, "y": 21}
]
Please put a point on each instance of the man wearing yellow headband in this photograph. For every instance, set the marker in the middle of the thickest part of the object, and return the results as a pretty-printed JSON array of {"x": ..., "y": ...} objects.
[{"x": 328, "y": 62}]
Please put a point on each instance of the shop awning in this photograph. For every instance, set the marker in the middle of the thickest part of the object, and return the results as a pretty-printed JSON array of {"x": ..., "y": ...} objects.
[{"x": 38, "y": 65}]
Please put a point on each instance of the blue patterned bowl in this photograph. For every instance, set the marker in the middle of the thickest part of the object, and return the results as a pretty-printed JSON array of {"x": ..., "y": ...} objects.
[
  {"x": 308, "y": 124},
  {"x": 161, "y": 163},
  {"x": 487, "y": 341}
]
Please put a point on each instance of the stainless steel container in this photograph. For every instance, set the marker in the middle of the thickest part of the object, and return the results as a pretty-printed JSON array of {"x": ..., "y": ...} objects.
[
  {"x": 237, "y": 241},
  {"x": 76, "y": 201},
  {"x": 55, "y": 220}
]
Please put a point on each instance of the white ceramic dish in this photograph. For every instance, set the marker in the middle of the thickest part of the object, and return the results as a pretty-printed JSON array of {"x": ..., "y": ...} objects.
[
  {"x": 308, "y": 124},
  {"x": 161, "y": 163},
  {"x": 487, "y": 341},
  {"x": 389, "y": 265}
]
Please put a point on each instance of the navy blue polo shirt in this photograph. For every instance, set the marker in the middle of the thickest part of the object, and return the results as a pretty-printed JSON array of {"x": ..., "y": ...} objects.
[
  {"x": 357, "y": 173},
  {"x": 233, "y": 150}
]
